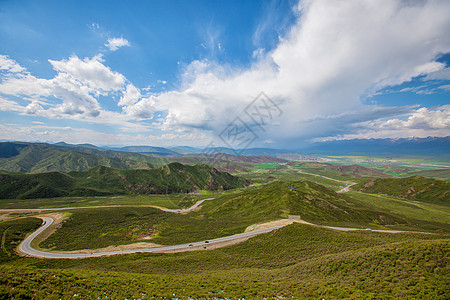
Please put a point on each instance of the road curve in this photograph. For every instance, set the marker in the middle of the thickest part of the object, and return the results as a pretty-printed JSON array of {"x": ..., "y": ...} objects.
[
  {"x": 186, "y": 210},
  {"x": 26, "y": 248},
  {"x": 177, "y": 211}
]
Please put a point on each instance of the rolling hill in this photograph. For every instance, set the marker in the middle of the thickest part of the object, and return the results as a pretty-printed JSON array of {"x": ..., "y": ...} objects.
[
  {"x": 21, "y": 157},
  {"x": 414, "y": 188},
  {"x": 40, "y": 157},
  {"x": 101, "y": 180}
]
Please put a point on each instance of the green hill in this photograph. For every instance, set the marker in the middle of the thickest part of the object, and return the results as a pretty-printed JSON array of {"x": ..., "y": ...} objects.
[
  {"x": 312, "y": 201},
  {"x": 296, "y": 262},
  {"x": 414, "y": 188},
  {"x": 22, "y": 157},
  {"x": 38, "y": 158},
  {"x": 101, "y": 180}
]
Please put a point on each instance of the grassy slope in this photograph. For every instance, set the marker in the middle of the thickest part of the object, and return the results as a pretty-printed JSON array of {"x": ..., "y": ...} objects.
[
  {"x": 225, "y": 215},
  {"x": 101, "y": 180},
  {"x": 415, "y": 188},
  {"x": 231, "y": 213},
  {"x": 181, "y": 200},
  {"x": 298, "y": 261},
  {"x": 38, "y": 158}
]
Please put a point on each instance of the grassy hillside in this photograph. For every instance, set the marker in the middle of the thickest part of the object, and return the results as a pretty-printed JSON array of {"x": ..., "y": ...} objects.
[
  {"x": 101, "y": 180},
  {"x": 232, "y": 213},
  {"x": 415, "y": 188},
  {"x": 298, "y": 261},
  {"x": 20, "y": 157},
  {"x": 339, "y": 171},
  {"x": 38, "y": 158}
]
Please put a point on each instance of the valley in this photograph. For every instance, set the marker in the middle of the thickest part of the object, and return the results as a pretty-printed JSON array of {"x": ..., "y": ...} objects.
[{"x": 266, "y": 228}]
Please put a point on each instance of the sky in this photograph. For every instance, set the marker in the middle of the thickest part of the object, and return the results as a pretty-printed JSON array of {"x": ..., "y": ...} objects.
[{"x": 277, "y": 74}]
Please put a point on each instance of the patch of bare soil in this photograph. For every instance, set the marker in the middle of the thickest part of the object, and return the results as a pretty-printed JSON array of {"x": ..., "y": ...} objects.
[
  {"x": 282, "y": 222},
  {"x": 4, "y": 217},
  {"x": 133, "y": 246}
]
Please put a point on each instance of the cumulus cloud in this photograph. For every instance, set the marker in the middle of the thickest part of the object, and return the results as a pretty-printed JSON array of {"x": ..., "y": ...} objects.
[
  {"x": 443, "y": 74},
  {"x": 84, "y": 135},
  {"x": 143, "y": 109},
  {"x": 10, "y": 65},
  {"x": 89, "y": 72},
  {"x": 78, "y": 83},
  {"x": 422, "y": 122},
  {"x": 336, "y": 53},
  {"x": 115, "y": 43},
  {"x": 423, "y": 118},
  {"x": 131, "y": 96}
]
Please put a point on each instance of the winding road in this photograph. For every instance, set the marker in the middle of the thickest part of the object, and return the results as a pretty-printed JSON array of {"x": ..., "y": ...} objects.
[
  {"x": 343, "y": 190},
  {"x": 26, "y": 248}
]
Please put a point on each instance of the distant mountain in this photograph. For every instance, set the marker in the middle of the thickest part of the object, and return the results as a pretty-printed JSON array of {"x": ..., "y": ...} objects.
[
  {"x": 64, "y": 144},
  {"x": 101, "y": 180},
  {"x": 239, "y": 158},
  {"x": 413, "y": 146},
  {"x": 148, "y": 150}
]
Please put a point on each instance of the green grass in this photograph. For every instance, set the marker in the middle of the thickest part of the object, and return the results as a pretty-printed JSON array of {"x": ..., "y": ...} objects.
[
  {"x": 414, "y": 188},
  {"x": 12, "y": 232},
  {"x": 231, "y": 213},
  {"x": 298, "y": 261},
  {"x": 167, "y": 201},
  {"x": 290, "y": 174},
  {"x": 266, "y": 166},
  {"x": 414, "y": 210},
  {"x": 102, "y": 181}
]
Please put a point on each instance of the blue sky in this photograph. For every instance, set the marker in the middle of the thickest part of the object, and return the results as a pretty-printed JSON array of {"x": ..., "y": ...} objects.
[{"x": 168, "y": 73}]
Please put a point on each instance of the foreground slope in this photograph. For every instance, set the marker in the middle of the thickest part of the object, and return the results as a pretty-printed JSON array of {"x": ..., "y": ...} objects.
[
  {"x": 101, "y": 180},
  {"x": 298, "y": 261}
]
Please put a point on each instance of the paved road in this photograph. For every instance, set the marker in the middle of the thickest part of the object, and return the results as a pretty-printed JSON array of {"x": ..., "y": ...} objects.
[
  {"x": 343, "y": 190},
  {"x": 25, "y": 246},
  {"x": 25, "y": 210},
  {"x": 193, "y": 207},
  {"x": 346, "y": 189}
]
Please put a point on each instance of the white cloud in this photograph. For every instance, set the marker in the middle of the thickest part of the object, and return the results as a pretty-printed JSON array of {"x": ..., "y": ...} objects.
[
  {"x": 115, "y": 43},
  {"x": 77, "y": 84},
  {"x": 336, "y": 53},
  {"x": 422, "y": 122},
  {"x": 143, "y": 109},
  {"x": 8, "y": 105},
  {"x": 445, "y": 87},
  {"x": 423, "y": 118},
  {"x": 131, "y": 96},
  {"x": 84, "y": 135},
  {"x": 89, "y": 72},
  {"x": 10, "y": 65},
  {"x": 443, "y": 74},
  {"x": 33, "y": 108}
]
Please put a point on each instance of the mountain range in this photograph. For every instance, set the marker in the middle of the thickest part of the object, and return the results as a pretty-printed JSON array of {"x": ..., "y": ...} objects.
[
  {"x": 23, "y": 157},
  {"x": 101, "y": 180}
]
